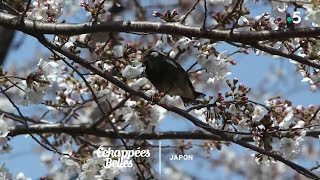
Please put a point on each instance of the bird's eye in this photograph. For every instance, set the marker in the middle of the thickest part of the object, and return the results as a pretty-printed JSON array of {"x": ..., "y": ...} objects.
[{"x": 154, "y": 54}]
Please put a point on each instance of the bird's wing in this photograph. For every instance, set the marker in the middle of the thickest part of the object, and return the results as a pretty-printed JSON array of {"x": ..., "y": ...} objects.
[
  {"x": 174, "y": 64},
  {"x": 182, "y": 83},
  {"x": 180, "y": 69}
]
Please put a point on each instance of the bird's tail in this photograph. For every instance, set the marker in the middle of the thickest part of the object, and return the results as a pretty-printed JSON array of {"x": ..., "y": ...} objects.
[
  {"x": 188, "y": 101},
  {"x": 198, "y": 94}
]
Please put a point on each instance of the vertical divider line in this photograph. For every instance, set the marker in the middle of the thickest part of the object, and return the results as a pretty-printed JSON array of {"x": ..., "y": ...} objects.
[{"x": 159, "y": 157}]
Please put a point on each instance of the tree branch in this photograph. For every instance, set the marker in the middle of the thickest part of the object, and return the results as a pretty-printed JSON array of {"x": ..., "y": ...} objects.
[
  {"x": 282, "y": 54},
  {"x": 86, "y": 129},
  {"x": 31, "y": 26}
]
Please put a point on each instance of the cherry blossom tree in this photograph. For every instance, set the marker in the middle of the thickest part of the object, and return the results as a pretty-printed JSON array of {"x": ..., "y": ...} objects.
[{"x": 88, "y": 90}]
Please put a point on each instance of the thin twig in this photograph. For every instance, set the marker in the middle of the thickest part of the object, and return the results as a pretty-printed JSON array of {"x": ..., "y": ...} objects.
[
  {"x": 201, "y": 69},
  {"x": 314, "y": 115},
  {"x": 25, "y": 122},
  {"x": 205, "y": 14},
  {"x": 9, "y": 8},
  {"x": 239, "y": 15},
  {"x": 231, "y": 12},
  {"x": 119, "y": 105},
  {"x": 191, "y": 67},
  {"x": 315, "y": 167},
  {"x": 188, "y": 13},
  {"x": 24, "y": 12}
]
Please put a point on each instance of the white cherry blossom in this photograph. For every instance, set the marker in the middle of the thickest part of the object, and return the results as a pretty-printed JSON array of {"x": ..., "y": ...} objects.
[{"x": 132, "y": 71}]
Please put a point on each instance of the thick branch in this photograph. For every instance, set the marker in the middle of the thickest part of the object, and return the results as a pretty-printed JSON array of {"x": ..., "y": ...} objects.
[
  {"x": 29, "y": 26},
  {"x": 89, "y": 130},
  {"x": 109, "y": 133}
]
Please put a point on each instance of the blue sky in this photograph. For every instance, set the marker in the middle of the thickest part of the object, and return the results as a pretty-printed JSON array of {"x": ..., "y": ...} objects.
[{"x": 250, "y": 70}]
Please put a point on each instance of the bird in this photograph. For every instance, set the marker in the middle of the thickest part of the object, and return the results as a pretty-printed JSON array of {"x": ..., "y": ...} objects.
[{"x": 169, "y": 77}]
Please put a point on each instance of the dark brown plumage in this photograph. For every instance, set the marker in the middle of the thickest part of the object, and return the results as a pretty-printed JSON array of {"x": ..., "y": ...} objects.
[{"x": 169, "y": 77}]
